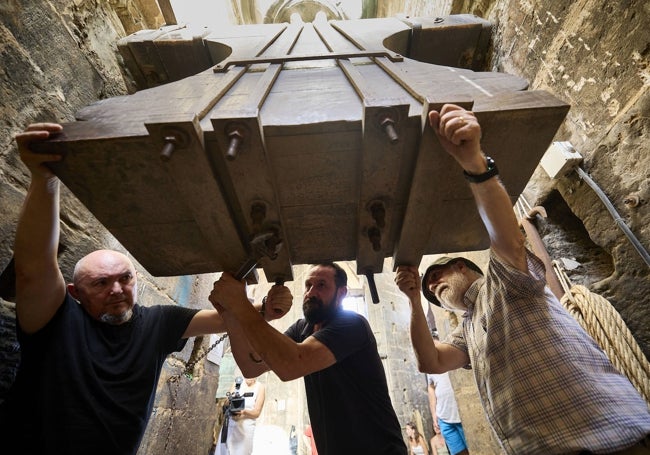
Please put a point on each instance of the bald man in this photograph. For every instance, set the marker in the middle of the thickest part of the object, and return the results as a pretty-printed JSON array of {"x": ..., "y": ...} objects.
[{"x": 90, "y": 355}]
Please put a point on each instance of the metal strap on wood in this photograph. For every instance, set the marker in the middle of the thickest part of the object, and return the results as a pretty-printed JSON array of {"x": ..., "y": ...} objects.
[{"x": 223, "y": 66}]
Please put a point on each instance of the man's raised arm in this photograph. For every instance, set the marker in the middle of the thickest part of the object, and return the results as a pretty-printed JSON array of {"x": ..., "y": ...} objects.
[
  {"x": 40, "y": 287},
  {"x": 460, "y": 134}
]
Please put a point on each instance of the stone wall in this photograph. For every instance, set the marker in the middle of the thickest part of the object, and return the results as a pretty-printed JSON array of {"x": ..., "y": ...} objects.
[
  {"x": 594, "y": 55},
  {"x": 57, "y": 57}
]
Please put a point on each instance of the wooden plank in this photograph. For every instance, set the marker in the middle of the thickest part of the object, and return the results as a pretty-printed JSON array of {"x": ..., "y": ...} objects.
[
  {"x": 369, "y": 34},
  {"x": 311, "y": 96},
  {"x": 455, "y": 41},
  {"x": 382, "y": 162},
  {"x": 122, "y": 181},
  {"x": 315, "y": 156},
  {"x": 250, "y": 165},
  {"x": 199, "y": 189},
  {"x": 285, "y": 42},
  {"x": 441, "y": 216},
  {"x": 316, "y": 169},
  {"x": 332, "y": 39},
  {"x": 183, "y": 52},
  {"x": 167, "y": 12},
  {"x": 242, "y": 40},
  {"x": 146, "y": 57},
  {"x": 386, "y": 168}
]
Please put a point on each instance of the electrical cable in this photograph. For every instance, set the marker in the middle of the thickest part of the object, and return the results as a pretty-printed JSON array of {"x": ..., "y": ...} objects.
[{"x": 617, "y": 218}]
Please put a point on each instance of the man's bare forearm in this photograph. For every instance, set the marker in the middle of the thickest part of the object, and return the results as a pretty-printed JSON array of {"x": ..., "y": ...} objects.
[
  {"x": 40, "y": 286},
  {"x": 279, "y": 352},
  {"x": 495, "y": 208},
  {"x": 246, "y": 357},
  {"x": 421, "y": 339},
  {"x": 37, "y": 232}
]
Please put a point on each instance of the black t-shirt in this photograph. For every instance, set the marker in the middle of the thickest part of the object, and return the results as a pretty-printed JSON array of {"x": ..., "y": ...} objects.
[
  {"x": 349, "y": 406},
  {"x": 88, "y": 387}
]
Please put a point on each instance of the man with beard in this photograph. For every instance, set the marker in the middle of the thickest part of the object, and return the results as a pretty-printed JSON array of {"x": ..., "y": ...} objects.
[
  {"x": 546, "y": 386},
  {"x": 91, "y": 356},
  {"x": 333, "y": 349}
]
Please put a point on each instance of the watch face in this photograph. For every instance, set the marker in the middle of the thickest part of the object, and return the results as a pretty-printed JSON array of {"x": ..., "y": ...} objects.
[{"x": 491, "y": 172}]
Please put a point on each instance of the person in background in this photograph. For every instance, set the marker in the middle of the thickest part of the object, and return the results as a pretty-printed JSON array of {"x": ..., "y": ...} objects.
[
  {"x": 293, "y": 440},
  {"x": 333, "y": 349},
  {"x": 311, "y": 443},
  {"x": 91, "y": 356},
  {"x": 438, "y": 445},
  {"x": 417, "y": 443},
  {"x": 545, "y": 384},
  {"x": 241, "y": 424},
  {"x": 445, "y": 414}
]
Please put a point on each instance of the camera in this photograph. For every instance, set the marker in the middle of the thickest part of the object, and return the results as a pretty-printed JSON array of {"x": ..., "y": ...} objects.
[
  {"x": 236, "y": 404},
  {"x": 237, "y": 401}
]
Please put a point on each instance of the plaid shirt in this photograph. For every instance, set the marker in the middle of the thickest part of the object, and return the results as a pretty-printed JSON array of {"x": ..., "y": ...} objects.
[{"x": 545, "y": 384}]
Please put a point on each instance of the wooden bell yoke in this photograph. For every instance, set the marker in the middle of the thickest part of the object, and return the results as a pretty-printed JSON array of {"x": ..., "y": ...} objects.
[{"x": 313, "y": 135}]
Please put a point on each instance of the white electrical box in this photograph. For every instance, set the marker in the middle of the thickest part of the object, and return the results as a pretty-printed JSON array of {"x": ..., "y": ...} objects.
[{"x": 560, "y": 159}]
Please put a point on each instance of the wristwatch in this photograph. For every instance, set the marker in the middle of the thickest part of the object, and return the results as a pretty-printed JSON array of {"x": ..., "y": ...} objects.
[{"x": 478, "y": 178}]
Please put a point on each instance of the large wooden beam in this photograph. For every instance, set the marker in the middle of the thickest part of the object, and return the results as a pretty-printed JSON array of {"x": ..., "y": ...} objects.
[
  {"x": 167, "y": 12},
  {"x": 332, "y": 153}
]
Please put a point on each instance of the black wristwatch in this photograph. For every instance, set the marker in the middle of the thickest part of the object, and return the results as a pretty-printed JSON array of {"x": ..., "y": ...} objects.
[{"x": 491, "y": 172}]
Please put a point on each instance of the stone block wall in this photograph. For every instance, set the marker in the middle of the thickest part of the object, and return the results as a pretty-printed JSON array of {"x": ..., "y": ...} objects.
[{"x": 594, "y": 55}]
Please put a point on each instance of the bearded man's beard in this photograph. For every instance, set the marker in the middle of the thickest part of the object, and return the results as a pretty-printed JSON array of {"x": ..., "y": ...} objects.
[
  {"x": 116, "y": 319},
  {"x": 316, "y": 311},
  {"x": 451, "y": 297}
]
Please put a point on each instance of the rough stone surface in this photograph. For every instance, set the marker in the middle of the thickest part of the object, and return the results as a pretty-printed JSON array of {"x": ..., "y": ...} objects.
[
  {"x": 593, "y": 54},
  {"x": 10, "y": 352}
]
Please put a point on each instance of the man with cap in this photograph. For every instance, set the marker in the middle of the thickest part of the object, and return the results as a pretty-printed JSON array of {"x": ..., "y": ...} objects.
[{"x": 545, "y": 385}]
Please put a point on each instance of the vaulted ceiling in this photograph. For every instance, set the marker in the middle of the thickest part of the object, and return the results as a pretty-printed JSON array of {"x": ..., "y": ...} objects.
[{"x": 279, "y": 11}]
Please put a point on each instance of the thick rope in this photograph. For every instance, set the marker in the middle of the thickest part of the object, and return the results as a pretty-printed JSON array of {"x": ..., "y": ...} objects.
[{"x": 601, "y": 320}]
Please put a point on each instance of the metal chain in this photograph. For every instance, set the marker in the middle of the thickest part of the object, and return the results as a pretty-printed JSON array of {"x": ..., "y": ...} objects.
[
  {"x": 174, "y": 383},
  {"x": 189, "y": 367}
]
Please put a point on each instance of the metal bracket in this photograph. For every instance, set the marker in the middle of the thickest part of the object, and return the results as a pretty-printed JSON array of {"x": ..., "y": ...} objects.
[
  {"x": 266, "y": 243},
  {"x": 372, "y": 286},
  {"x": 223, "y": 66}
]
